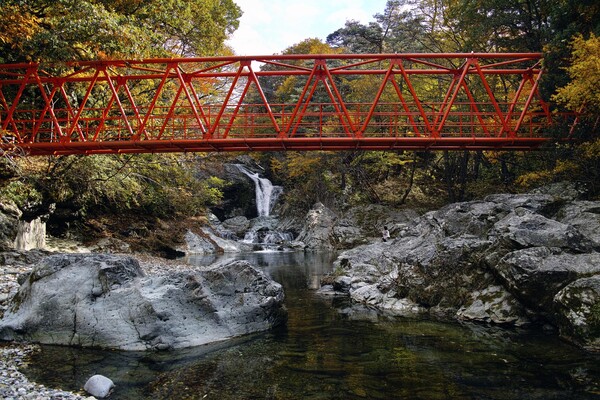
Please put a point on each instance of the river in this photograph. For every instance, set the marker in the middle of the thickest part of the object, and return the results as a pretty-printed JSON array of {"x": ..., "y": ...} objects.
[{"x": 332, "y": 350}]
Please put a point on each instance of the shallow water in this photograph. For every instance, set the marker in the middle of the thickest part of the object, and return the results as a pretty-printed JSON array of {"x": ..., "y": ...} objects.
[{"x": 331, "y": 350}]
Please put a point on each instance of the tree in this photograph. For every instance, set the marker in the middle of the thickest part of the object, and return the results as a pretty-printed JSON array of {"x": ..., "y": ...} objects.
[
  {"x": 68, "y": 30},
  {"x": 582, "y": 93}
]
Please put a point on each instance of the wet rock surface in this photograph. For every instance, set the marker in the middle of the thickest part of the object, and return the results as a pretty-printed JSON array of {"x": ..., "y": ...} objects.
[
  {"x": 507, "y": 259},
  {"x": 107, "y": 301}
]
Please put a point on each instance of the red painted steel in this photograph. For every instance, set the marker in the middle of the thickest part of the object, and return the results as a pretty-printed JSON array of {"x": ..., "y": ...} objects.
[{"x": 271, "y": 103}]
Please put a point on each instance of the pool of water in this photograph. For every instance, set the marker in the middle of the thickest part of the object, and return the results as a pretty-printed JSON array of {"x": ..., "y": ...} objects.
[{"x": 330, "y": 349}]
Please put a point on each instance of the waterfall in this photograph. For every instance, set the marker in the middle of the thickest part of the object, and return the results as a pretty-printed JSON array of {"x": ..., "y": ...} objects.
[{"x": 266, "y": 193}]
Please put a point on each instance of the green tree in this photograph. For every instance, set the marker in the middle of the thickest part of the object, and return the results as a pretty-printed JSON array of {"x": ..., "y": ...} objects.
[{"x": 69, "y": 30}]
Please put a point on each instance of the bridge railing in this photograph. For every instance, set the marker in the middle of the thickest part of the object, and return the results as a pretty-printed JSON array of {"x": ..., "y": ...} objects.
[{"x": 276, "y": 102}]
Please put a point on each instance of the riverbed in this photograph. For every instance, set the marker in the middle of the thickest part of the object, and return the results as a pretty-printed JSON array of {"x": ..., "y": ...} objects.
[{"x": 330, "y": 349}]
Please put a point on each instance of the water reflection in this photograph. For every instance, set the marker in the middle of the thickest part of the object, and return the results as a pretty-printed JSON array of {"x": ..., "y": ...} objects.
[{"x": 331, "y": 349}]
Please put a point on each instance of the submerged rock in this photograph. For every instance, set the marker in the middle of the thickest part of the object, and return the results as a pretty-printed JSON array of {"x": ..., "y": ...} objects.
[{"x": 105, "y": 301}]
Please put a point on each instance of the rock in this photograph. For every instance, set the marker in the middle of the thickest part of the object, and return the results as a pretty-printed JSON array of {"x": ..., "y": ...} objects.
[
  {"x": 535, "y": 275},
  {"x": 238, "y": 225},
  {"x": 578, "y": 309},
  {"x": 9, "y": 220},
  {"x": 522, "y": 229},
  {"x": 585, "y": 217},
  {"x": 207, "y": 242},
  {"x": 342, "y": 284},
  {"x": 370, "y": 295},
  {"x": 105, "y": 301},
  {"x": 493, "y": 305},
  {"x": 239, "y": 195},
  {"x": 31, "y": 234},
  {"x": 535, "y": 202},
  {"x": 199, "y": 244},
  {"x": 565, "y": 191},
  {"x": 99, "y": 386},
  {"x": 370, "y": 219},
  {"x": 111, "y": 245},
  {"x": 317, "y": 232},
  {"x": 499, "y": 260}
]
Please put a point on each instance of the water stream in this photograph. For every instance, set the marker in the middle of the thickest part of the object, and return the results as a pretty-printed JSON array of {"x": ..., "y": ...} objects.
[
  {"x": 332, "y": 350},
  {"x": 266, "y": 193}
]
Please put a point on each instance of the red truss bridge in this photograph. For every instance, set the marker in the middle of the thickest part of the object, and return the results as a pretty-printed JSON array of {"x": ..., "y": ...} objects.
[{"x": 476, "y": 101}]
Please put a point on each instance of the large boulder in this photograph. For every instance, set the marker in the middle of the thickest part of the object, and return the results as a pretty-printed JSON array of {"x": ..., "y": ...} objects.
[
  {"x": 324, "y": 229},
  {"x": 238, "y": 225},
  {"x": 578, "y": 312},
  {"x": 536, "y": 275},
  {"x": 105, "y": 301},
  {"x": 317, "y": 232},
  {"x": 585, "y": 217},
  {"x": 523, "y": 228}
]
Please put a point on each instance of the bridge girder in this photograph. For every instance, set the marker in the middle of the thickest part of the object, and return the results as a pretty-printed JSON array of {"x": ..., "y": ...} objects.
[{"x": 343, "y": 101}]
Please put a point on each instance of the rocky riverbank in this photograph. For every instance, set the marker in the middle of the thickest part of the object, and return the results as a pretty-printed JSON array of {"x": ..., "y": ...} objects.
[
  {"x": 507, "y": 259},
  {"x": 18, "y": 265},
  {"x": 15, "y": 386},
  {"x": 13, "y": 356}
]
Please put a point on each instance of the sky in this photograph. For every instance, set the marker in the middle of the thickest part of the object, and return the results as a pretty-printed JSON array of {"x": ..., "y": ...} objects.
[{"x": 270, "y": 26}]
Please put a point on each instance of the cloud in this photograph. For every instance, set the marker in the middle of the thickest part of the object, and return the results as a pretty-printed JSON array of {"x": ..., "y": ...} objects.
[{"x": 271, "y": 26}]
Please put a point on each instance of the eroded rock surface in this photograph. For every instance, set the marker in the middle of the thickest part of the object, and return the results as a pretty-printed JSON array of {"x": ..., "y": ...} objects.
[
  {"x": 106, "y": 301},
  {"x": 506, "y": 259}
]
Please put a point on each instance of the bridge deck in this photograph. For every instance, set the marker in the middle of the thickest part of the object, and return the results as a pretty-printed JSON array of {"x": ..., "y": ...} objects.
[{"x": 275, "y": 103}]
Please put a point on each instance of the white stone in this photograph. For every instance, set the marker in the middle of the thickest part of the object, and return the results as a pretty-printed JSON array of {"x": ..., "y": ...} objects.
[{"x": 99, "y": 386}]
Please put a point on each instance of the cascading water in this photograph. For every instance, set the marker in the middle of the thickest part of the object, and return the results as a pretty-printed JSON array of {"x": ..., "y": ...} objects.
[{"x": 266, "y": 193}]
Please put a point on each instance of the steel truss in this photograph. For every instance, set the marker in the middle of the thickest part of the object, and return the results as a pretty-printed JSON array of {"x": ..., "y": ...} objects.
[{"x": 272, "y": 103}]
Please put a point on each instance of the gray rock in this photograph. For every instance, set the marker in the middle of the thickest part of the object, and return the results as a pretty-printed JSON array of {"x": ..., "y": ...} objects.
[
  {"x": 494, "y": 305},
  {"x": 99, "y": 386},
  {"x": 535, "y": 275},
  {"x": 370, "y": 219},
  {"x": 105, "y": 301},
  {"x": 523, "y": 228},
  {"x": 578, "y": 310},
  {"x": 342, "y": 284},
  {"x": 534, "y": 202},
  {"x": 9, "y": 220},
  {"x": 199, "y": 244},
  {"x": 565, "y": 191},
  {"x": 499, "y": 260},
  {"x": 205, "y": 241},
  {"x": 473, "y": 218},
  {"x": 111, "y": 245},
  {"x": 238, "y": 225},
  {"x": 31, "y": 234},
  {"x": 317, "y": 232},
  {"x": 585, "y": 216}
]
